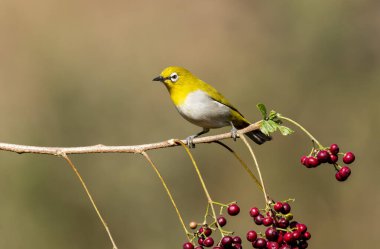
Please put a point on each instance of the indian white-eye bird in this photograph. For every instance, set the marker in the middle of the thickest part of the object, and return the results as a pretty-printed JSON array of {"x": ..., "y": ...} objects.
[{"x": 202, "y": 105}]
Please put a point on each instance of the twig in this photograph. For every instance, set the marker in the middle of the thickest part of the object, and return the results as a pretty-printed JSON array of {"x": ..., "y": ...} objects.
[
  {"x": 257, "y": 167},
  {"x": 208, "y": 196},
  {"x": 57, "y": 151},
  {"x": 167, "y": 191},
  {"x": 91, "y": 199}
]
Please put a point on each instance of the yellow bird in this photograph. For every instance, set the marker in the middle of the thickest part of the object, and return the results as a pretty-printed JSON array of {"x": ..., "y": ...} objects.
[{"x": 202, "y": 105}]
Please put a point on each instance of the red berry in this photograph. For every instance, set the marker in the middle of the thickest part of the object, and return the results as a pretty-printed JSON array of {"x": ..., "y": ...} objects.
[
  {"x": 303, "y": 244},
  {"x": 205, "y": 230},
  {"x": 344, "y": 172},
  {"x": 301, "y": 227},
  {"x": 259, "y": 219},
  {"x": 306, "y": 236},
  {"x": 226, "y": 241},
  {"x": 271, "y": 234},
  {"x": 278, "y": 206},
  {"x": 199, "y": 247},
  {"x": 188, "y": 245},
  {"x": 348, "y": 158},
  {"x": 280, "y": 238},
  {"x": 251, "y": 236},
  {"x": 233, "y": 209},
  {"x": 254, "y": 212},
  {"x": 285, "y": 246},
  {"x": 237, "y": 246},
  {"x": 200, "y": 241},
  {"x": 267, "y": 221},
  {"x": 272, "y": 245},
  {"x": 323, "y": 156},
  {"x": 283, "y": 223},
  {"x": 312, "y": 162},
  {"x": 293, "y": 224},
  {"x": 339, "y": 177},
  {"x": 236, "y": 240},
  {"x": 285, "y": 208},
  {"x": 208, "y": 242},
  {"x": 260, "y": 243},
  {"x": 288, "y": 237},
  {"x": 333, "y": 158},
  {"x": 304, "y": 160},
  {"x": 222, "y": 221},
  {"x": 334, "y": 149},
  {"x": 296, "y": 234}
]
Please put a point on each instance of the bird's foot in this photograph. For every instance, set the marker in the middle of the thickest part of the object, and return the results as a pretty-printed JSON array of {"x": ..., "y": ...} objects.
[
  {"x": 234, "y": 133},
  {"x": 189, "y": 141}
]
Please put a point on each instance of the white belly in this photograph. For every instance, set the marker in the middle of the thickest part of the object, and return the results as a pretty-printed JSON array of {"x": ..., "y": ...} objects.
[{"x": 200, "y": 109}]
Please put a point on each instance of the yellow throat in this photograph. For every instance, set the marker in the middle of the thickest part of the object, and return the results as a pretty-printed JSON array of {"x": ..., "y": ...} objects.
[{"x": 180, "y": 82}]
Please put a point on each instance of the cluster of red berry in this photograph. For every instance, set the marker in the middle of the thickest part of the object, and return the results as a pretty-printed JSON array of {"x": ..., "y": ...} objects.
[
  {"x": 330, "y": 155},
  {"x": 203, "y": 234},
  {"x": 282, "y": 233}
]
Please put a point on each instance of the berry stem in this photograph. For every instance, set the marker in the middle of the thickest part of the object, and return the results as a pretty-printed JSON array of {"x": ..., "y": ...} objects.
[
  {"x": 206, "y": 214},
  {"x": 312, "y": 150},
  {"x": 302, "y": 128},
  {"x": 168, "y": 192},
  {"x": 257, "y": 167},
  {"x": 220, "y": 204},
  {"x": 210, "y": 201},
  {"x": 337, "y": 166},
  {"x": 245, "y": 166}
]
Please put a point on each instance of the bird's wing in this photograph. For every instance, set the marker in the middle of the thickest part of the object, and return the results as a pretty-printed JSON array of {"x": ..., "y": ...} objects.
[
  {"x": 218, "y": 97},
  {"x": 225, "y": 102}
]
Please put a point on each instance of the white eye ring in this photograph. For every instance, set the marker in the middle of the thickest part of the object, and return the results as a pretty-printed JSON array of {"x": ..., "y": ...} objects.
[{"x": 174, "y": 77}]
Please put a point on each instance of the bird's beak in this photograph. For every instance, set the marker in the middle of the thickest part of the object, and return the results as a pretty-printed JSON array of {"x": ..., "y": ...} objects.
[{"x": 159, "y": 78}]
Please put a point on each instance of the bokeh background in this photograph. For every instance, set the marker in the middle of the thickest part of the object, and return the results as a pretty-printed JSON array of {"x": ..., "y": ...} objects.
[{"x": 75, "y": 73}]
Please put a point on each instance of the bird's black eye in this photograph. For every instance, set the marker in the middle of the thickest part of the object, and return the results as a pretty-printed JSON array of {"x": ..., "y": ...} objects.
[{"x": 174, "y": 77}]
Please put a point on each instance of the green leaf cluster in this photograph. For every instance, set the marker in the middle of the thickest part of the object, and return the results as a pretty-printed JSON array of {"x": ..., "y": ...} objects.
[{"x": 272, "y": 122}]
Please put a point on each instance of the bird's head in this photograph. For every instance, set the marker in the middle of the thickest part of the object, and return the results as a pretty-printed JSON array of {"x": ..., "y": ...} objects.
[{"x": 172, "y": 76}]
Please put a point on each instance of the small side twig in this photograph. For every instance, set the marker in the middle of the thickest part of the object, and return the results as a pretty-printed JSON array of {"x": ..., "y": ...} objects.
[
  {"x": 257, "y": 167},
  {"x": 167, "y": 191},
  {"x": 90, "y": 197},
  {"x": 208, "y": 196}
]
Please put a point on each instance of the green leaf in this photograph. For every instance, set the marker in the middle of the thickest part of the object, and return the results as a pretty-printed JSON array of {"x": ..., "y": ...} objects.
[
  {"x": 273, "y": 126},
  {"x": 273, "y": 115},
  {"x": 264, "y": 127},
  {"x": 285, "y": 130},
  {"x": 262, "y": 109}
]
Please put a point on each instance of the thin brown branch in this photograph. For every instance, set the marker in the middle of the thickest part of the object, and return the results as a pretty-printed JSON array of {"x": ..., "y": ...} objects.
[
  {"x": 257, "y": 167},
  {"x": 168, "y": 192},
  {"x": 58, "y": 151},
  {"x": 90, "y": 198}
]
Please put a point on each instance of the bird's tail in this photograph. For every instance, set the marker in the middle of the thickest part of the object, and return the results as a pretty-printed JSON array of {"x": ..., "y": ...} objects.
[{"x": 258, "y": 137}]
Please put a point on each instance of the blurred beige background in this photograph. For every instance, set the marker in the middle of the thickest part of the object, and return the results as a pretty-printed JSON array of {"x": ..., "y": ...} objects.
[{"x": 75, "y": 73}]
